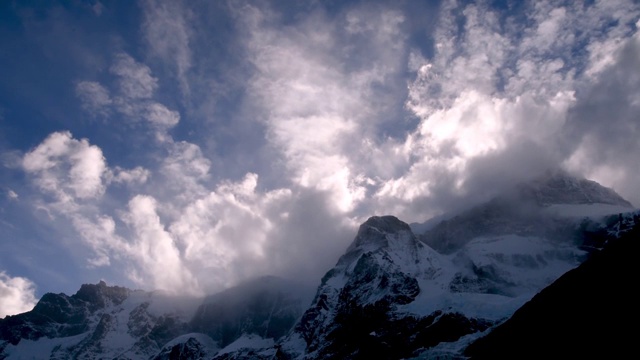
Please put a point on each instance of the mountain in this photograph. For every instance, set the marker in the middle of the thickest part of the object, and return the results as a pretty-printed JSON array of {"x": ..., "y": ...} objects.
[
  {"x": 589, "y": 312},
  {"x": 267, "y": 306},
  {"x": 98, "y": 321},
  {"x": 393, "y": 293},
  {"x": 544, "y": 207},
  {"x": 362, "y": 307},
  {"x": 396, "y": 295},
  {"x": 112, "y": 322}
]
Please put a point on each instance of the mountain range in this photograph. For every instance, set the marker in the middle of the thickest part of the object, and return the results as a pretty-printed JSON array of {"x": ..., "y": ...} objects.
[{"x": 443, "y": 289}]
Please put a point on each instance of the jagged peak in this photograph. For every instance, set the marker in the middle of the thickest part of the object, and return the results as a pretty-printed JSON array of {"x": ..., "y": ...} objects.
[
  {"x": 386, "y": 223},
  {"x": 100, "y": 294},
  {"x": 376, "y": 232}
]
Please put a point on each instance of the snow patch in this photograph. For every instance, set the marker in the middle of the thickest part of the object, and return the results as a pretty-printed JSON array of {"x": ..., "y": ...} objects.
[{"x": 247, "y": 341}]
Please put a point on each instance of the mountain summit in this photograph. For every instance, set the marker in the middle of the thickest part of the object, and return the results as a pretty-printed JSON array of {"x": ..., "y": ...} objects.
[
  {"x": 560, "y": 187},
  {"x": 547, "y": 207}
]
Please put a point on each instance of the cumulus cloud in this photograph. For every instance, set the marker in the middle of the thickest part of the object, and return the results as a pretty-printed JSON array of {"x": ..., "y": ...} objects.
[
  {"x": 73, "y": 175},
  {"x": 17, "y": 295},
  {"x": 188, "y": 237},
  {"x": 498, "y": 85},
  {"x": 136, "y": 175},
  {"x": 67, "y": 168},
  {"x": 359, "y": 120},
  {"x": 154, "y": 248},
  {"x": 495, "y": 84},
  {"x": 320, "y": 104}
]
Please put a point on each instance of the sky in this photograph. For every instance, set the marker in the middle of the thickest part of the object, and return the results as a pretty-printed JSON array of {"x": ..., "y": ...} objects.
[{"x": 189, "y": 145}]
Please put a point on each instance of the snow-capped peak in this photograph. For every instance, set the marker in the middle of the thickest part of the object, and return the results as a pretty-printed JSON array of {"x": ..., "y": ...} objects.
[
  {"x": 382, "y": 232},
  {"x": 560, "y": 187}
]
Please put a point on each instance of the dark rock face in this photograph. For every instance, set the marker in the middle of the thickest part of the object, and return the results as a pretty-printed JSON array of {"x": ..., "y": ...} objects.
[
  {"x": 374, "y": 331},
  {"x": 101, "y": 295},
  {"x": 590, "y": 312},
  {"x": 189, "y": 350}
]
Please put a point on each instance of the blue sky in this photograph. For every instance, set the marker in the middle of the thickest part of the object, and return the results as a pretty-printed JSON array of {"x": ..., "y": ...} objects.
[{"x": 188, "y": 145}]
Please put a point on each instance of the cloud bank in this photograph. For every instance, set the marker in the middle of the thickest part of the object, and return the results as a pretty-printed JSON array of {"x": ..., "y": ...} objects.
[{"x": 356, "y": 117}]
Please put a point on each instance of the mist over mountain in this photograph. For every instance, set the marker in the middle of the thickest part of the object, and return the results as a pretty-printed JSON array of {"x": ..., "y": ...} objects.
[
  {"x": 545, "y": 206},
  {"x": 392, "y": 294}
]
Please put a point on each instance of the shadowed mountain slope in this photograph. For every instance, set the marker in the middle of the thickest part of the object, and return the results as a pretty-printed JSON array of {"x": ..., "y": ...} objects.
[{"x": 590, "y": 312}]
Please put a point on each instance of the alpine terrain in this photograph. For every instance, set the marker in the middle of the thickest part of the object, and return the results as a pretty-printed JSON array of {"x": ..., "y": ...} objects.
[{"x": 400, "y": 291}]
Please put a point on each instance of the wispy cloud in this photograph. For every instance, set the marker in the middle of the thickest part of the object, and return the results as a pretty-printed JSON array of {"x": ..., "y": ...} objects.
[
  {"x": 167, "y": 33},
  {"x": 133, "y": 98},
  {"x": 134, "y": 78},
  {"x": 95, "y": 98}
]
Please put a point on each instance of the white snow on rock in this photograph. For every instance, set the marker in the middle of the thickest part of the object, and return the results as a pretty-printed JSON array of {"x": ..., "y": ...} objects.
[{"x": 247, "y": 341}]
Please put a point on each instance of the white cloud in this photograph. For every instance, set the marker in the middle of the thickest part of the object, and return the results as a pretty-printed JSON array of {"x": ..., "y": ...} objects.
[
  {"x": 494, "y": 102},
  {"x": 137, "y": 175},
  {"x": 12, "y": 195},
  {"x": 67, "y": 168},
  {"x": 184, "y": 172},
  {"x": 76, "y": 174},
  {"x": 134, "y": 78},
  {"x": 318, "y": 99},
  {"x": 160, "y": 116},
  {"x": 99, "y": 233},
  {"x": 494, "y": 85},
  {"x": 168, "y": 35},
  {"x": 226, "y": 232},
  {"x": 153, "y": 249},
  {"x": 17, "y": 295},
  {"x": 134, "y": 99},
  {"x": 94, "y": 97}
]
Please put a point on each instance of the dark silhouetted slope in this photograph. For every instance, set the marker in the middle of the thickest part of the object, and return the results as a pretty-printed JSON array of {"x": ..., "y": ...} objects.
[{"x": 590, "y": 312}]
